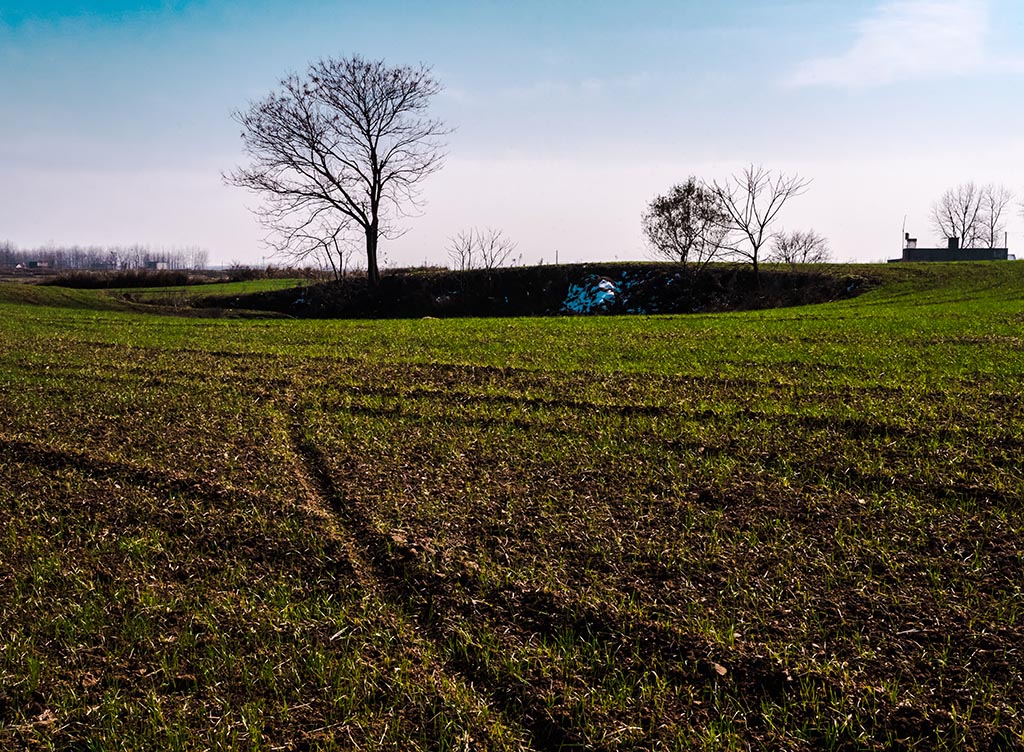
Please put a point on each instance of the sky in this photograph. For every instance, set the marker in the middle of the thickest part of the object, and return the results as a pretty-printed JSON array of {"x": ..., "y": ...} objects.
[{"x": 568, "y": 116}]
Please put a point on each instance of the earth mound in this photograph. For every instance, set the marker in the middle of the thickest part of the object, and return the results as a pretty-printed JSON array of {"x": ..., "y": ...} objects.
[{"x": 579, "y": 289}]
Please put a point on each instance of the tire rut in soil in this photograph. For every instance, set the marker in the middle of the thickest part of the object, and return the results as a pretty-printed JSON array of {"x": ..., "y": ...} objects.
[
  {"x": 427, "y": 601},
  {"x": 349, "y": 563},
  {"x": 164, "y": 485},
  {"x": 50, "y": 458},
  {"x": 362, "y": 547}
]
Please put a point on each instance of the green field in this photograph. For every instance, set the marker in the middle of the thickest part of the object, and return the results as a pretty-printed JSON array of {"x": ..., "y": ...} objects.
[
  {"x": 188, "y": 294},
  {"x": 789, "y": 529}
]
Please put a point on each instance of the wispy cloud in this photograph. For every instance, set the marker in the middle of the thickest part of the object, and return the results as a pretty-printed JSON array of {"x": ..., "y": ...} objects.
[
  {"x": 907, "y": 40},
  {"x": 548, "y": 89}
]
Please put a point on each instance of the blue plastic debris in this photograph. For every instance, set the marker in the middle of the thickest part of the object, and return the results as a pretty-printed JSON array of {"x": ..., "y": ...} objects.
[{"x": 594, "y": 295}]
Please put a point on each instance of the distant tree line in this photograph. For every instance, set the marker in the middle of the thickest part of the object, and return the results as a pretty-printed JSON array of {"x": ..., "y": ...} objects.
[{"x": 109, "y": 258}]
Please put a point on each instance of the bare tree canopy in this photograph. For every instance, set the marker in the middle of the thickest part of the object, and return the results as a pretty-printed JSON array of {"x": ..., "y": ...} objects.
[
  {"x": 799, "y": 247},
  {"x": 480, "y": 249},
  {"x": 973, "y": 214},
  {"x": 994, "y": 200},
  {"x": 753, "y": 200},
  {"x": 341, "y": 149},
  {"x": 688, "y": 224},
  {"x": 957, "y": 214}
]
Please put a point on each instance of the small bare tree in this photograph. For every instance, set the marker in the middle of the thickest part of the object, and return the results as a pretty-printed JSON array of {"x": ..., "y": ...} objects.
[
  {"x": 994, "y": 201},
  {"x": 460, "y": 250},
  {"x": 799, "y": 247},
  {"x": 328, "y": 246},
  {"x": 480, "y": 249},
  {"x": 345, "y": 145},
  {"x": 753, "y": 200},
  {"x": 688, "y": 224},
  {"x": 495, "y": 249}
]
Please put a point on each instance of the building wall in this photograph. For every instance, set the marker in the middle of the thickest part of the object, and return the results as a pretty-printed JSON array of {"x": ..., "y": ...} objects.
[{"x": 954, "y": 254}]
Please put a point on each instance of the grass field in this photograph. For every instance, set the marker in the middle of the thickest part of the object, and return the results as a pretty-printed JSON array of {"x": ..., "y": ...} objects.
[
  {"x": 788, "y": 529},
  {"x": 186, "y": 294}
]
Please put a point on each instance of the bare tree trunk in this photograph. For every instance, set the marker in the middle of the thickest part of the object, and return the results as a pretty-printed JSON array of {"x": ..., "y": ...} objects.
[{"x": 372, "y": 272}]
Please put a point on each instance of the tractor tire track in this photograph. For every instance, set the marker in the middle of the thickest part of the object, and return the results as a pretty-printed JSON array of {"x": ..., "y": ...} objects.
[
  {"x": 350, "y": 534},
  {"x": 51, "y": 458},
  {"x": 431, "y": 604}
]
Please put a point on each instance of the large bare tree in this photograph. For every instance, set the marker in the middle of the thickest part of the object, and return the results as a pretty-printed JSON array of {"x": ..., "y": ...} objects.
[
  {"x": 341, "y": 149},
  {"x": 752, "y": 200},
  {"x": 973, "y": 214},
  {"x": 687, "y": 224}
]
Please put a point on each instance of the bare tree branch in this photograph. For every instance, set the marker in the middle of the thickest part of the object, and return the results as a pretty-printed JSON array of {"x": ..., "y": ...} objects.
[
  {"x": 330, "y": 246},
  {"x": 958, "y": 214},
  {"x": 974, "y": 215},
  {"x": 460, "y": 250}
]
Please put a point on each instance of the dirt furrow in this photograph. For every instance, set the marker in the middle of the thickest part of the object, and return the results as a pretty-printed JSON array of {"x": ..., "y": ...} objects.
[
  {"x": 435, "y": 606},
  {"x": 161, "y": 481},
  {"x": 350, "y": 534}
]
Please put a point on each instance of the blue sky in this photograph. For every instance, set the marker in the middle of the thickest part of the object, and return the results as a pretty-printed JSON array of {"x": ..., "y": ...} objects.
[{"x": 569, "y": 116}]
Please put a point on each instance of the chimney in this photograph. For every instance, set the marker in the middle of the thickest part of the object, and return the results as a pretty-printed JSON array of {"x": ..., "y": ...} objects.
[{"x": 954, "y": 244}]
